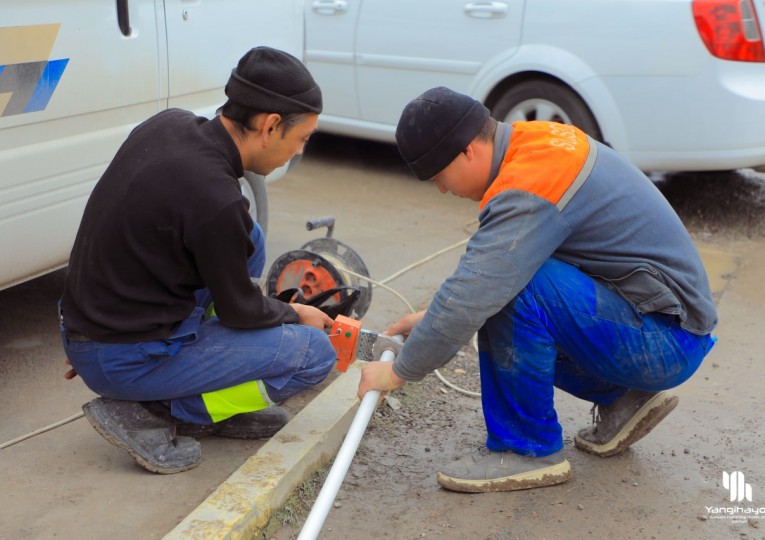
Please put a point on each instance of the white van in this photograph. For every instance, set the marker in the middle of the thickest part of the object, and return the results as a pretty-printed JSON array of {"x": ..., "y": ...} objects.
[{"x": 77, "y": 76}]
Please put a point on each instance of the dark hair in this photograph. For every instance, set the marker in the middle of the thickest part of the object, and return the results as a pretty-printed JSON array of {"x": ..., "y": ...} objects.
[
  {"x": 487, "y": 131},
  {"x": 242, "y": 117}
]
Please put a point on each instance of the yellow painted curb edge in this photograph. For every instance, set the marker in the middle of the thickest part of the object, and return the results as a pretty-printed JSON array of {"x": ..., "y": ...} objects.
[{"x": 241, "y": 506}]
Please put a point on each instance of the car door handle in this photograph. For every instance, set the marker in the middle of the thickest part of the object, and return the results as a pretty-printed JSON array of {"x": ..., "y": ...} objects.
[
  {"x": 123, "y": 17},
  {"x": 486, "y": 10},
  {"x": 330, "y": 7}
]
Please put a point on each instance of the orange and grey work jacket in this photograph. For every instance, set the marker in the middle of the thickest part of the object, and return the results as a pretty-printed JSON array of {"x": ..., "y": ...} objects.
[{"x": 555, "y": 192}]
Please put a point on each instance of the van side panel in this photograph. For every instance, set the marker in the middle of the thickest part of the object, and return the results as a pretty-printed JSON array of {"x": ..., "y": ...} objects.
[
  {"x": 206, "y": 38},
  {"x": 72, "y": 86}
]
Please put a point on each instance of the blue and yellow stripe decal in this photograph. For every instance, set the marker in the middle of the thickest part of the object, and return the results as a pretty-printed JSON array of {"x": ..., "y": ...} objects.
[{"x": 28, "y": 77}]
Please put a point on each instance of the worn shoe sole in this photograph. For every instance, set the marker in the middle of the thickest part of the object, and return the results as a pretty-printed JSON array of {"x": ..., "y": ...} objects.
[
  {"x": 114, "y": 434},
  {"x": 256, "y": 425},
  {"x": 234, "y": 432},
  {"x": 640, "y": 425},
  {"x": 546, "y": 476}
]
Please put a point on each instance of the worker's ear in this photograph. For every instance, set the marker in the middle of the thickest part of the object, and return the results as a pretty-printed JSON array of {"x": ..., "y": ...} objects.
[
  {"x": 469, "y": 152},
  {"x": 271, "y": 124}
]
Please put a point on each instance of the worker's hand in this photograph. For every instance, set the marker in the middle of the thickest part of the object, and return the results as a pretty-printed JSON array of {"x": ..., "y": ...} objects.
[
  {"x": 71, "y": 374},
  {"x": 312, "y": 316},
  {"x": 378, "y": 376},
  {"x": 405, "y": 324}
]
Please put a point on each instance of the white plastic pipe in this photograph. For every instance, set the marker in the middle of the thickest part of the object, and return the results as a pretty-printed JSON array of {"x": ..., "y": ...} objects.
[{"x": 321, "y": 507}]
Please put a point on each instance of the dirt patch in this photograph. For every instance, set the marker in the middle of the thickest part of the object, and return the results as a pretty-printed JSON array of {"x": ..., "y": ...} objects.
[
  {"x": 411, "y": 431},
  {"x": 727, "y": 205}
]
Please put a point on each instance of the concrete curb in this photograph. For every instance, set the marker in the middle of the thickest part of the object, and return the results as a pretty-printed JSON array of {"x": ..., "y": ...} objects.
[{"x": 242, "y": 505}]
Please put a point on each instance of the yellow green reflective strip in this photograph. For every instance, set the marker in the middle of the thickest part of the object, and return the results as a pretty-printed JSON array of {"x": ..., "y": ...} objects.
[
  {"x": 210, "y": 310},
  {"x": 243, "y": 398}
]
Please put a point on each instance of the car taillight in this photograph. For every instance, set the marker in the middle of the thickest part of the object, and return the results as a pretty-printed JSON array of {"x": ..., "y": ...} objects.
[{"x": 729, "y": 29}]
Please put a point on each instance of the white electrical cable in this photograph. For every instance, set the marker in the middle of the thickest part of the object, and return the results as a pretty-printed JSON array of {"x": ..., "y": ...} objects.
[
  {"x": 438, "y": 373},
  {"x": 454, "y": 386},
  {"x": 41, "y": 430},
  {"x": 423, "y": 261},
  {"x": 382, "y": 284},
  {"x": 474, "y": 340}
]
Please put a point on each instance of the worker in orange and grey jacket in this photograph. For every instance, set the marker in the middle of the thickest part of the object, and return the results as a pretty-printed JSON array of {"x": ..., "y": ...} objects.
[{"x": 580, "y": 276}]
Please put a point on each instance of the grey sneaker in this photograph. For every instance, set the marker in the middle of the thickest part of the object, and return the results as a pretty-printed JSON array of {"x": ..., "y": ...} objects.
[
  {"x": 483, "y": 471},
  {"x": 624, "y": 422},
  {"x": 150, "y": 440}
]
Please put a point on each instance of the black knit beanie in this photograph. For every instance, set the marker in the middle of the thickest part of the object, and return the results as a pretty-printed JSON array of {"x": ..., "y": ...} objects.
[
  {"x": 435, "y": 127},
  {"x": 273, "y": 81}
]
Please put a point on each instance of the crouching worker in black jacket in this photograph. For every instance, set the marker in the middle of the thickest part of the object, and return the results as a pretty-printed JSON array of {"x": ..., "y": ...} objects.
[{"x": 166, "y": 232}]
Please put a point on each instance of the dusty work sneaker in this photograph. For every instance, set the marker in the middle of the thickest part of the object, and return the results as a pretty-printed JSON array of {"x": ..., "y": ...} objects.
[
  {"x": 624, "y": 422},
  {"x": 483, "y": 471},
  {"x": 150, "y": 440},
  {"x": 254, "y": 425}
]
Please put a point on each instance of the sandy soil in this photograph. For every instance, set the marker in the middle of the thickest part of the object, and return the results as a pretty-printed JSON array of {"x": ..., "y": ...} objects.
[{"x": 661, "y": 488}]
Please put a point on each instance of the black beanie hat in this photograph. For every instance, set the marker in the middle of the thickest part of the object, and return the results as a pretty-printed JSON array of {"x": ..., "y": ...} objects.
[
  {"x": 273, "y": 81},
  {"x": 435, "y": 127}
]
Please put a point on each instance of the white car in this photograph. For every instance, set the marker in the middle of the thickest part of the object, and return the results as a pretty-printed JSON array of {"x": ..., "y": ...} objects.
[{"x": 673, "y": 85}]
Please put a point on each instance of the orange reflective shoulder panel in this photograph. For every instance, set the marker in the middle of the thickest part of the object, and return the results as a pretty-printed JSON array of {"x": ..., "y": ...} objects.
[{"x": 544, "y": 158}]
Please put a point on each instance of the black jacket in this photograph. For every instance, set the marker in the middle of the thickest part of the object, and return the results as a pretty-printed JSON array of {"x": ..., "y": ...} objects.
[{"x": 166, "y": 218}]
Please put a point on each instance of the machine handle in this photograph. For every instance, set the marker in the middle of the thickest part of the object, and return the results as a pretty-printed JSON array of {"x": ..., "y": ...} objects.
[{"x": 327, "y": 221}]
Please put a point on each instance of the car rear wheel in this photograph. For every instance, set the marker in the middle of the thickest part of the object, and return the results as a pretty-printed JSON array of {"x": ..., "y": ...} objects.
[
  {"x": 545, "y": 100},
  {"x": 254, "y": 189}
]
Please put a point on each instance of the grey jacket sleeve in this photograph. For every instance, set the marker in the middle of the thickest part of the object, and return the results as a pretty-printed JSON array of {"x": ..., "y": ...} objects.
[{"x": 518, "y": 231}]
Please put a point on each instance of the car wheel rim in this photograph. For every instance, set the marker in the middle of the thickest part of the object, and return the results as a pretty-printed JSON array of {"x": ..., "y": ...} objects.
[{"x": 537, "y": 109}]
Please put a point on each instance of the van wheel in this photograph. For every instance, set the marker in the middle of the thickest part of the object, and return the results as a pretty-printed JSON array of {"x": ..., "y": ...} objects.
[
  {"x": 545, "y": 100},
  {"x": 254, "y": 189}
]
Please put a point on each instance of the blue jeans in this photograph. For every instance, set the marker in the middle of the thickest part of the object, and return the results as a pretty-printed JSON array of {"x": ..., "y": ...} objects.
[
  {"x": 570, "y": 331},
  {"x": 204, "y": 356}
]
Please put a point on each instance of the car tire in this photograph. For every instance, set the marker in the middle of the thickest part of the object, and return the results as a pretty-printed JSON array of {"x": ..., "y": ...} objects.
[
  {"x": 545, "y": 100},
  {"x": 254, "y": 189}
]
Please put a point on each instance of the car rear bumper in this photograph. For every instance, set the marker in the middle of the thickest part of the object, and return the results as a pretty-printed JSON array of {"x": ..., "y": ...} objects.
[{"x": 679, "y": 123}]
